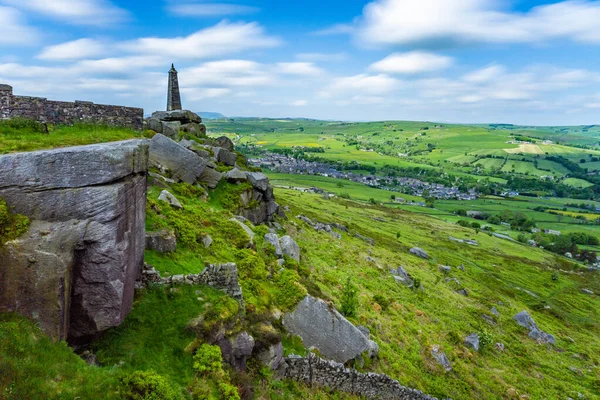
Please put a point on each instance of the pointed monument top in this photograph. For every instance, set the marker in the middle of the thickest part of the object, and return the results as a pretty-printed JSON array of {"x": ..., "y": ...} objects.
[{"x": 173, "y": 96}]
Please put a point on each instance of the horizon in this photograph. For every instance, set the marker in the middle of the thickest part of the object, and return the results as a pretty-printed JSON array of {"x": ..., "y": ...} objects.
[{"x": 526, "y": 62}]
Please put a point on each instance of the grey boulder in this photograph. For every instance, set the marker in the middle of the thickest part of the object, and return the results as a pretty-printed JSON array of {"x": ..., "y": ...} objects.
[
  {"x": 235, "y": 175},
  {"x": 472, "y": 341},
  {"x": 258, "y": 180},
  {"x": 224, "y": 142},
  {"x": 273, "y": 240},
  {"x": 210, "y": 177},
  {"x": 185, "y": 165},
  {"x": 289, "y": 247},
  {"x": 183, "y": 116},
  {"x": 402, "y": 276},
  {"x": 417, "y": 251},
  {"x": 167, "y": 197},
  {"x": 163, "y": 241},
  {"x": 441, "y": 357},
  {"x": 249, "y": 232},
  {"x": 272, "y": 356},
  {"x": 171, "y": 129},
  {"x": 525, "y": 320},
  {"x": 321, "y": 326},
  {"x": 225, "y": 156}
]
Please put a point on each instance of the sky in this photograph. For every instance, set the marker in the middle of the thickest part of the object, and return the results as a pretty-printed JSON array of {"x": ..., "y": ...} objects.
[{"x": 530, "y": 62}]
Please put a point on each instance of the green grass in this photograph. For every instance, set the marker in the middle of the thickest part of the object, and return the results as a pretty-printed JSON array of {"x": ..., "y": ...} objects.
[
  {"x": 496, "y": 271},
  {"x": 578, "y": 183},
  {"x": 24, "y": 136}
]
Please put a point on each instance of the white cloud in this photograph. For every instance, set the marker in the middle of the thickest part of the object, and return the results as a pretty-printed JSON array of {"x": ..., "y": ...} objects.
[
  {"x": 325, "y": 57},
  {"x": 299, "y": 68},
  {"x": 194, "y": 94},
  {"x": 77, "y": 12},
  {"x": 221, "y": 39},
  {"x": 338, "y": 29},
  {"x": 299, "y": 103},
  {"x": 210, "y": 9},
  {"x": 362, "y": 84},
  {"x": 412, "y": 63},
  {"x": 13, "y": 29},
  {"x": 75, "y": 50},
  {"x": 227, "y": 73},
  {"x": 438, "y": 23}
]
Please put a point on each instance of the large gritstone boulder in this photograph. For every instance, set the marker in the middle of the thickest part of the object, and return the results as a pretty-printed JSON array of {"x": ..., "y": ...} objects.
[
  {"x": 321, "y": 326},
  {"x": 185, "y": 165},
  {"x": 89, "y": 251}
]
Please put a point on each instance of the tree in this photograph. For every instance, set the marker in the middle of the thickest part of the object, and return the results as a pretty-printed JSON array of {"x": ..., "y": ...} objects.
[{"x": 349, "y": 299}]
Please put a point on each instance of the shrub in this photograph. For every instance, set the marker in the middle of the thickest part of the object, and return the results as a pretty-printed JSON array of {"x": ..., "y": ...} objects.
[
  {"x": 289, "y": 289},
  {"x": 228, "y": 392},
  {"x": 11, "y": 225},
  {"x": 147, "y": 385},
  {"x": 382, "y": 301},
  {"x": 349, "y": 300},
  {"x": 485, "y": 339},
  {"x": 208, "y": 360}
]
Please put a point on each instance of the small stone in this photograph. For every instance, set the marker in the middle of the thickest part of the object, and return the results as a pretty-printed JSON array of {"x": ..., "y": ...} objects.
[
  {"x": 167, "y": 197},
  {"x": 163, "y": 241},
  {"x": 586, "y": 291},
  {"x": 472, "y": 341},
  {"x": 499, "y": 347},
  {"x": 417, "y": 251},
  {"x": 441, "y": 357},
  {"x": 273, "y": 239},
  {"x": 207, "y": 241},
  {"x": 289, "y": 247},
  {"x": 445, "y": 268},
  {"x": 495, "y": 312}
]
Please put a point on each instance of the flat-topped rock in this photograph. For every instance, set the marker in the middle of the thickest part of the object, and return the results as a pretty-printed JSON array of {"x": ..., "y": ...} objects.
[{"x": 183, "y": 116}]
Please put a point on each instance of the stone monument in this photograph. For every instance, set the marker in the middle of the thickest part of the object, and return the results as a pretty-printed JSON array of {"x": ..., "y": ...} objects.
[{"x": 173, "y": 95}]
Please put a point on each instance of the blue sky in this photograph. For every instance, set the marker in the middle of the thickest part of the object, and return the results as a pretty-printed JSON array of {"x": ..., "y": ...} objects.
[{"x": 519, "y": 61}]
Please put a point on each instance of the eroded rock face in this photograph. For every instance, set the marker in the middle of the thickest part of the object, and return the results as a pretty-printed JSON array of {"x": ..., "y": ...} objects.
[
  {"x": 525, "y": 320},
  {"x": 321, "y": 326},
  {"x": 94, "y": 199}
]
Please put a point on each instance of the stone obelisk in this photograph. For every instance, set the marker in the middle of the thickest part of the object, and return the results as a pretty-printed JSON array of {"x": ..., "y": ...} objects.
[{"x": 173, "y": 96}]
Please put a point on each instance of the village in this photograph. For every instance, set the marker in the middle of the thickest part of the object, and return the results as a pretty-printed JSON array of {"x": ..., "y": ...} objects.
[{"x": 290, "y": 165}]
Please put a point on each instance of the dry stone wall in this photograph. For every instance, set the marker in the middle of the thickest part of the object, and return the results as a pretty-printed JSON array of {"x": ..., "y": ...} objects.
[
  {"x": 67, "y": 113},
  {"x": 313, "y": 370}
]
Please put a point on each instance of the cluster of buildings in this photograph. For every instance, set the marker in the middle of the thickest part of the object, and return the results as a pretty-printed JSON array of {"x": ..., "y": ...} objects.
[{"x": 290, "y": 165}]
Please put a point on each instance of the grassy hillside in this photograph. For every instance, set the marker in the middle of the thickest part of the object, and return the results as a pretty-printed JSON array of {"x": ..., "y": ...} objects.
[{"x": 156, "y": 344}]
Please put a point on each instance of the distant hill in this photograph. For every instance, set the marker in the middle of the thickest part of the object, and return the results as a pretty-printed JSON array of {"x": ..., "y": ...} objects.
[{"x": 210, "y": 115}]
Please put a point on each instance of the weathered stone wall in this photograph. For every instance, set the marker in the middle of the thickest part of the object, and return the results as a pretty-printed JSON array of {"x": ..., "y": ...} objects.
[
  {"x": 67, "y": 113},
  {"x": 313, "y": 370},
  {"x": 75, "y": 273}
]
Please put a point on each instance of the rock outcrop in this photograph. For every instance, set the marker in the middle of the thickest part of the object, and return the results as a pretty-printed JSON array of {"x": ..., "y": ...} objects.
[
  {"x": 75, "y": 271},
  {"x": 323, "y": 327},
  {"x": 170, "y": 123},
  {"x": 313, "y": 370}
]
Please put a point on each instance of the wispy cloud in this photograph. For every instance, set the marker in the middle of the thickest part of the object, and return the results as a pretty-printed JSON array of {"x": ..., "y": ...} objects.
[
  {"x": 75, "y": 12},
  {"x": 414, "y": 62},
  {"x": 299, "y": 68},
  {"x": 210, "y": 9},
  {"x": 440, "y": 23},
  {"x": 14, "y": 30},
  {"x": 222, "y": 39},
  {"x": 75, "y": 50}
]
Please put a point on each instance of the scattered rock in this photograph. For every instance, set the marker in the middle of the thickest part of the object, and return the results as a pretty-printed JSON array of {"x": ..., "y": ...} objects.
[
  {"x": 273, "y": 239},
  {"x": 163, "y": 241},
  {"x": 366, "y": 239},
  {"x": 194, "y": 129},
  {"x": 586, "y": 291},
  {"x": 258, "y": 180},
  {"x": 224, "y": 142},
  {"x": 321, "y": 326},
  {"x": 472, "y": 242},
  {"x": 499, "y": 346},
  {"x": 419, "y": 252},
  {"x": 461, "y": 267},
  {"x": 236, "y": 175},
  {"x": 225, "y": 156},
  {"x": 243, "y": 344},
  {"x": 210, "y": 177},
  {"x": 463, "y": 292},
  {"x": 445, "y": 269},
  {"x": 472, "y": 341},
  {"x": 525, "y": 320},
  {"x": 402, "y": 276},
  {"x": 167, "y": 197},
  {"x": 90, "y": 359},
  {"x": 207, "y": 241},
  {"x": 505, "y": 237},
  {"x": 453, "y": 239},
  {"x": 246, "y": 229},
  {"x": 289, "y": 247},
  {"x": 272, "y": 356},
  {"x": 171, "y": 129},
  {"x": 495, "y": 312},
  {"x": 441, "y": 357}
]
